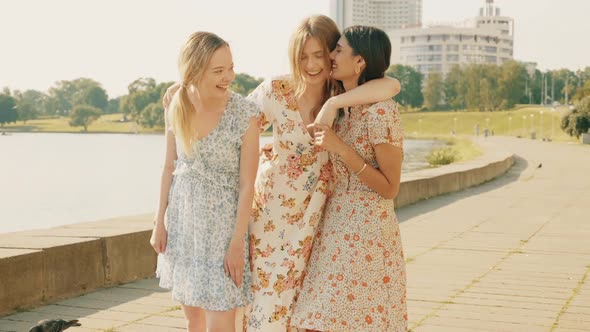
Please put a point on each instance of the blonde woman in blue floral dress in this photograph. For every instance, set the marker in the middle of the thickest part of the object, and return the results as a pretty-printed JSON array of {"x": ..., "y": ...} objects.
[{"x": 207, "y": 186}]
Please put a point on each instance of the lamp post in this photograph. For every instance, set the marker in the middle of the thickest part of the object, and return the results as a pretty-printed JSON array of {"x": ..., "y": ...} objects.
[
  {"x": 420, "y": 126},
  {"x": 542, "y": 137},
  {"x": 552, "y": 123},
  {"x": 509, "y": 124},
  {"x": 532, "y": 125}
]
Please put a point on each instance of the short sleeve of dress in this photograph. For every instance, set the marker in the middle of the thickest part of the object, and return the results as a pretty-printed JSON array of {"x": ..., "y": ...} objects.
[
  {"x": 261, "y": 96},
  {"x": 245, "y": 110},
  {"x": 385, "y": 125}
]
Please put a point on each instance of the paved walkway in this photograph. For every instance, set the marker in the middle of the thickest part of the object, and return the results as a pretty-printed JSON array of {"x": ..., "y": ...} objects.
[{"x": 509, "y": 255}]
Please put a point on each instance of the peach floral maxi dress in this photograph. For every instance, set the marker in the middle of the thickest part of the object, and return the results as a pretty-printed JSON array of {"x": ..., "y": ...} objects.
[
  {"x": 291, "y": 190},
  {"x": 356, "y": 277}
]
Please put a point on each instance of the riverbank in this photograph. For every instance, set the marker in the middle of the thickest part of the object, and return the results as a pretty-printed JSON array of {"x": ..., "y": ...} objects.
[
  {"x": 106, "y": 124},
  {"x": 520, "y": 121}
]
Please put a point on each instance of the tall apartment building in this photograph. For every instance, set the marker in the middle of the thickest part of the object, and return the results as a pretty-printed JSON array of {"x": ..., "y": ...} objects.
[
  {"x": 487, "y": 38},
  {"x": 384, "y": 14}
]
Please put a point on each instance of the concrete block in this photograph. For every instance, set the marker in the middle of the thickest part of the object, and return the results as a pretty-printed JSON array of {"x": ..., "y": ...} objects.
[
  {"x": 48, "y": 268},
  {"x": 129, "y": 257},
  {"x": 74, "y": 269},
  {"x": 21, "y": 275}
]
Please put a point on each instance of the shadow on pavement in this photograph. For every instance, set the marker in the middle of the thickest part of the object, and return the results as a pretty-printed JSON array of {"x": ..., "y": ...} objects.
[{"x": 418, "y": 208}]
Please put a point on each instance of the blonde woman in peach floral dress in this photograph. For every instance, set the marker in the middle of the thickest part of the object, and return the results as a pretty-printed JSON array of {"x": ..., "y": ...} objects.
[
  {"x": 356, "y": 275},
  {"x": 292, "y": 184}
]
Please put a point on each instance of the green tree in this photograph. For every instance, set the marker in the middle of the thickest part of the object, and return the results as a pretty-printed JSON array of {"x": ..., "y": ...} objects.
[
  {"x": 125, "y": 106},
  {"x": 244, "y": 84},
  {"x": 511, "y": 83},
  {"x": 557, "y": 84},
  {"x": 455, "y": 88},
  {"x": 411, "y": 82},
  {"x": 577, "y": 121},
  {"x": 142, "y": 92},
  {"x": 152, "y": 116},
  {"x": 8, "y": 111},
  {"x": 137, "y": 101},
  {"x": 582, "y": 91},
  {"x": 26, "y": 111},
  {"x": 60, "y": 97},
  {"x": 570, "y": 83},
  {"x": 93, "y": 95},
  {"x": 64, "y": 94},
  {"x": 142, "y": 84},
  {"x": 472, "y": 79},
  {"x": 30, "y": 104},
  {"x": 485, "y": 96},
  {"x": 113, "y": 106},
  {"x": 433, "y": 91},
  {"x": 478, "y": 76},
  {"x": 84, "y": 115}
]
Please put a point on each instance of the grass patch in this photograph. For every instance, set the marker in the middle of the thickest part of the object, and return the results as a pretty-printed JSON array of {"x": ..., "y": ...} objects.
[
  {"x": 456, "y": 149},
  {"x": 442, "y": 156},
  {"x": 507, "y": 123},
  {"x": 108, "y": 123}
]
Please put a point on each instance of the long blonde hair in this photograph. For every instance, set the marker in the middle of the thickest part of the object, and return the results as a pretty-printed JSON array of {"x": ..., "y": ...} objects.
[
  {"x": 325, "y": 30},
  {"x": 192, "y": 62}
]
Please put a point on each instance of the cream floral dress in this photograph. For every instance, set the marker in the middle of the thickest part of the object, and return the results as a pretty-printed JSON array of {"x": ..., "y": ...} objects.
[
  {"x": 356, "y": 277},
  {"x": 290, "y": 193}
]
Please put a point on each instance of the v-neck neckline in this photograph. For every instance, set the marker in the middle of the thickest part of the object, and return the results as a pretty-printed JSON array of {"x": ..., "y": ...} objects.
[
  {"x": 220, "y": 121},
  {"x": 309, "y": 135}
]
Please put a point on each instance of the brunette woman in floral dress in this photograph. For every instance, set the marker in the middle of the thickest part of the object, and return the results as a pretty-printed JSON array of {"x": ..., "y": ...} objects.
[{"x": 356, "y": 275}]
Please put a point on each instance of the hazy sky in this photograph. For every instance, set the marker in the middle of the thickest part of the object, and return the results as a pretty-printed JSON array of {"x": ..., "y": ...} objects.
[{"x": 117, "y": 41}]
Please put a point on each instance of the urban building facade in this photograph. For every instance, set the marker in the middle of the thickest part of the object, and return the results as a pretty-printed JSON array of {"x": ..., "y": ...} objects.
[
  {"x": 384, "y": 14},
  {"x": 488, "y": 38}
]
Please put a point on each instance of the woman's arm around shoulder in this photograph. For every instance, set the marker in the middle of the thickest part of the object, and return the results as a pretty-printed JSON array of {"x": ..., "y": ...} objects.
[{"x": 368, "y": 93}]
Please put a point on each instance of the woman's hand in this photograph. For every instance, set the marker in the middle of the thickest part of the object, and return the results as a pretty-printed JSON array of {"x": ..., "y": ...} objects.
[
  {"x": 167, "y": 99},
  {"x": 233, "y": 262},
  {"x": 159, "y": 237},
  {"x": 326, "y": 138}
]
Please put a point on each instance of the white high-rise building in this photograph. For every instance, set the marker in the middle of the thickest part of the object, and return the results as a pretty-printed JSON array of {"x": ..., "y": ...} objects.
[
  {"x": 487, "y": 38},
  {"x": 383, "y": 14}
]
